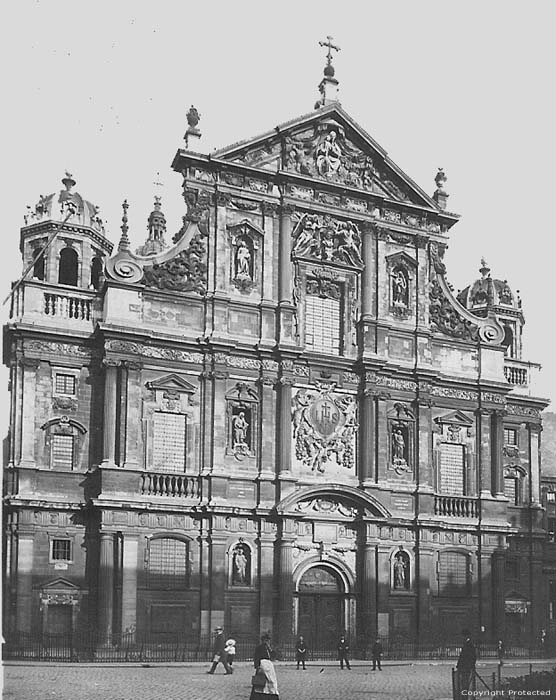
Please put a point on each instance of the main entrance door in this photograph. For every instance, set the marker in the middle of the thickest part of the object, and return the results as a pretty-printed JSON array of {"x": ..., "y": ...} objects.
[{"x": 321, "y": 608}]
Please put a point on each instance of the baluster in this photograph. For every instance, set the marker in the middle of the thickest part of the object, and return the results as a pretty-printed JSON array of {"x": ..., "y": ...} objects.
[
  {"x": 172, "y": 486},
  {"x": 180, "y": 484},
  {"x": 167, "y": 486}
]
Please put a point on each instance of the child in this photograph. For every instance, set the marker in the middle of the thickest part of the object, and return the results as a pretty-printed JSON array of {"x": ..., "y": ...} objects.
[
  {"x": 230, "y": 651},
  {"x": 301, "y": 653}
]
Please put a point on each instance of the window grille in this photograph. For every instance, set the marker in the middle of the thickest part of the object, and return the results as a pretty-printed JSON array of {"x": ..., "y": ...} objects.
[
  {"x": 322, "y": 324},
  {"x": 452, "y": 573},
  {"x": 169, "y": 442},
  {"x": 511, "y": 490},
  {"x": 62, "y": 452},
  {"x": 510, "y": 436},
  {"x": 167, "y": 567},
  {"x": 65, "y": 384},
  {"x": 452, "y": 468},
  {"x": 60, "y": 550}
]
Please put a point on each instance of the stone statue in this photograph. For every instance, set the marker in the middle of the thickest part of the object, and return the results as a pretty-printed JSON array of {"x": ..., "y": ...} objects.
[
  {"x": 328, "y": 156},
  {"x": 399, "y": 572},
  {"x": 243, "y": 259},
  {"x": 399, "y": 289},
  {"x": 240, "y": 426},
  {"x": 398, "y": 446},
  {"x": 193, "y": 117},
  {"x": 240, "y": 565},
  {"x": 350, "y": 243}
]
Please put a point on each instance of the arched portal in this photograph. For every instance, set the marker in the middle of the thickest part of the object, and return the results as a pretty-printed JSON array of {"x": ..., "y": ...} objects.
[{"x": 322, "y": 605}]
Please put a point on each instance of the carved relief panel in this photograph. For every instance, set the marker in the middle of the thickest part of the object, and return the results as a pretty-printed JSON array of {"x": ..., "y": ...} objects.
[
  {"x": 328, "y": 239},
  {"x": 324, "y": 430}
]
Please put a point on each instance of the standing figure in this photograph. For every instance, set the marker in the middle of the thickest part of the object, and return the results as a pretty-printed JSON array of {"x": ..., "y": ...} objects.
[
  {"x": 500, "y": 651},
  {"x": 343, "y": 653},
  {"x": 262, "y": 661},
  {"x": 466, "y": 664},
  {"x": 230, "y": 650},
  {"x": 240, "y": 426},
  {"x": 399, "y": 572},
  {"x": 219, "y": 654},
  {"x": 542, "y": 640},
  {"x": 398, "y": 446},
  {"x": 376, "y": 654},
  {"x": 301, "y": 653},
  {"x": 240, "y": 565},
  {"x": 399, "y": 289},
  {"x": 243, "y": 259},
  {"x": 328, "y": 156}
]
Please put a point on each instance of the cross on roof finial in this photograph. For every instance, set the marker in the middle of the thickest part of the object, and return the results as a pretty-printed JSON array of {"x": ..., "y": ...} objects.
[
  {"x": 330, "y": 46},
  {"x": 157, "y": 182}
]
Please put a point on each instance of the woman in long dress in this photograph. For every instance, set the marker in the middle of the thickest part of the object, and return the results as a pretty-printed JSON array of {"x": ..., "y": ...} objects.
[{"x": 262, "y": 659}]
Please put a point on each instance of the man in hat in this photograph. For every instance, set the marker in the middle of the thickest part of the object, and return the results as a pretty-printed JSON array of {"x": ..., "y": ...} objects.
[
  {"x": 219, "y": 655},
  {"x": 466, "y": 663}
]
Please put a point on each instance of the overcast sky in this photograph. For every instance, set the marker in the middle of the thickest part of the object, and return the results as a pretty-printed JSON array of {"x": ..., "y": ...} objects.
[{"x": 102, "y": 89}]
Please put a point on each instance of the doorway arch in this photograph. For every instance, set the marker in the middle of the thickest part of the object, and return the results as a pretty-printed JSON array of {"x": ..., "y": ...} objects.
[{"x": 322, "y": 603}]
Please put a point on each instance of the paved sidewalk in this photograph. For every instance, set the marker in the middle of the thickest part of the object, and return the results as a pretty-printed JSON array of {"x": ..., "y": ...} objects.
[{"x": 418, "y": 681}]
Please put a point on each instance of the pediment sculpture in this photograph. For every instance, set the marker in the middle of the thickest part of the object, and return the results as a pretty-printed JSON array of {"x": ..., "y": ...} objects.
[{"x": 322, "y": 237}]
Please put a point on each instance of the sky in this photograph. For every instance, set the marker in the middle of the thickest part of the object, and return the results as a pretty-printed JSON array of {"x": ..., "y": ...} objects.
[{"x": 102, "y": 89}]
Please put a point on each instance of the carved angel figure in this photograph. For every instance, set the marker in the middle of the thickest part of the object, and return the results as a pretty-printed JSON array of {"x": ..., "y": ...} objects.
[
  {"x": 307, "y": 242},
  {"x": 328, "y": 156},
  {"x": 349, "y": 243}
]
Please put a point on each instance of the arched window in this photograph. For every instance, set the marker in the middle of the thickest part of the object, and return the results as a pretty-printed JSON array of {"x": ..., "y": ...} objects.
[
  {"x": 168, "y": 563},
  {"x": 513, "y": 485},
  {"x": 96, "y": 272},
  {"x": 64, "y": 440},
  {"x": 508, "y": 341},
  {"x": 67, "y": 269}
]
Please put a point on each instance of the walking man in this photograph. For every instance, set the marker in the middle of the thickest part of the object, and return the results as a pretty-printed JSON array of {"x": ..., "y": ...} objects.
[
  {"x": 343, "y": 653},
  {"x": 376, "y": 653},
  {"x": 219, "y": 653},
  {"x": 466, "y": 664}
]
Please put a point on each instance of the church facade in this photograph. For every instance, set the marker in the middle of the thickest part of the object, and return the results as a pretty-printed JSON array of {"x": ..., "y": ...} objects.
[{"x": 283, "y": 420}]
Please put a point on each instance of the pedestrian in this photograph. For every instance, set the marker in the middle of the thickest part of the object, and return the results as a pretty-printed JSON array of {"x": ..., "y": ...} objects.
[
  {"x": 301, "y": 652},
  {"x": 466, "y": 664},
  {"x": 230, "y": 651},
  {"x": 219, "y": 655},
  {"x": 264, "y": 682},
  {"x": 500, "y": 650},
  {"x": 343, "y": 653},
  {"x": 543, "y": 641},
  {"x": 376, "y": 654}
]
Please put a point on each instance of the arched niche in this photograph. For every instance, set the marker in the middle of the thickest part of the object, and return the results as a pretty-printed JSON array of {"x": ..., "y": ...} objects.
[
  {"x": 241, "y": 560},
  {"x": 401, "y": 570}
]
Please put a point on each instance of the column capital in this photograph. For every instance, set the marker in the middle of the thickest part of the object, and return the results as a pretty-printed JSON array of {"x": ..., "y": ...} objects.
[
  {"x": 223, "y": 199},
  {"x": 133, "y": 365},
  {"x": 287, "y": 209},
  {"x": 111, "y": 362},
  {"x": 30, "y": 362},
  {"x": 270, "y": 208}
]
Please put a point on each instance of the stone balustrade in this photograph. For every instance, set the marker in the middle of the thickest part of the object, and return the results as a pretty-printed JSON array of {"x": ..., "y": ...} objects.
[
  {"x": 67, "y": 306},
  {"x": 456, "y": 507},
  {"x": 169, "y": 485}
]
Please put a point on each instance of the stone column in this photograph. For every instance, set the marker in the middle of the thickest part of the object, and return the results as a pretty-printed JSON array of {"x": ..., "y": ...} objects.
[
  {"x": 367, "y": 432},
  {"x": 497, "y": 449},
  {"x": 285, "y": 584},
  {"x": 494, "y": 603},
  {"x": 367, "y": 618},
  {"x": 382, "y": 437},
  {"x": 534, "y": 432},
  {"x": 424, "y": 580},
  {"x": 484, "y": 452},
  {"x": 285, "y": 269},
  {"x": 110, "y": 412},
  {"x": 106, "y": 586},
  {"x": 28, "y": 398},
  {"x": 132, "y": 414},
  {"x": 266, "y": 577},
  {"x": 285, "y": 424},
  {"x": 383, "y": 589},
  {"x": 129, "y": 581},
  {"x": 204, "y": 576},
  {"x": 424, "y": 475},
  {"x": 24, "y": 591},
  {"x": 368, "y": 278},
  {"x": 217, "y": 575}
]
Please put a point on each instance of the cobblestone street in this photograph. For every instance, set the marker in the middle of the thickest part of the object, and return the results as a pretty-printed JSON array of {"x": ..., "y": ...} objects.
[{"x": 190, "y": 682}]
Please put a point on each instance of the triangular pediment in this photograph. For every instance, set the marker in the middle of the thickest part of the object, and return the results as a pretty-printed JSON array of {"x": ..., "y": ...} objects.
[
  {"x": 172, "y": 382},
  {"x": 328, "y": 146},
  {"x": 401, "y": 258},
  {"x": 60, "y": 584},
  {"x": 454, "y": 418}
]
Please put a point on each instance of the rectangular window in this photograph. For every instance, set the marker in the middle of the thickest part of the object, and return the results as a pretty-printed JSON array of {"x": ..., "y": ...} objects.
[
  {"x": 65, "y": 384},
  {"x": 60, "y": 550},
  {"x": 551, "y": 527},
  {"x": 510, "y": 436},
  {"x": 452, "y": 468},
  {"x": 169, "y": 442},
  {"x": 168, "y": 563},
  {"x": 62, "y": 452},
  {"x": 323, "y": 324},
  {"x": 551, "y": 497}
]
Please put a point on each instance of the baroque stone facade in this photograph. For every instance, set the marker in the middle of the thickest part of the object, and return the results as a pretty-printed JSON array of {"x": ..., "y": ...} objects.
[{"x": 283, "y": 421}]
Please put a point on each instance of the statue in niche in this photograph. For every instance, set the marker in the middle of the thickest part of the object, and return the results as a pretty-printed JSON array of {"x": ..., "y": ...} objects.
[
  {"x": 398, "y": 446},
  {"x": 240, "y": 565},
  {"x": 240, "y": 426},
  {"x": 400, "y": 296},
  {"x": 243, "y": 261},
  {"x": 401, "y": 571},
  {"x": 328, "y": 156}
]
